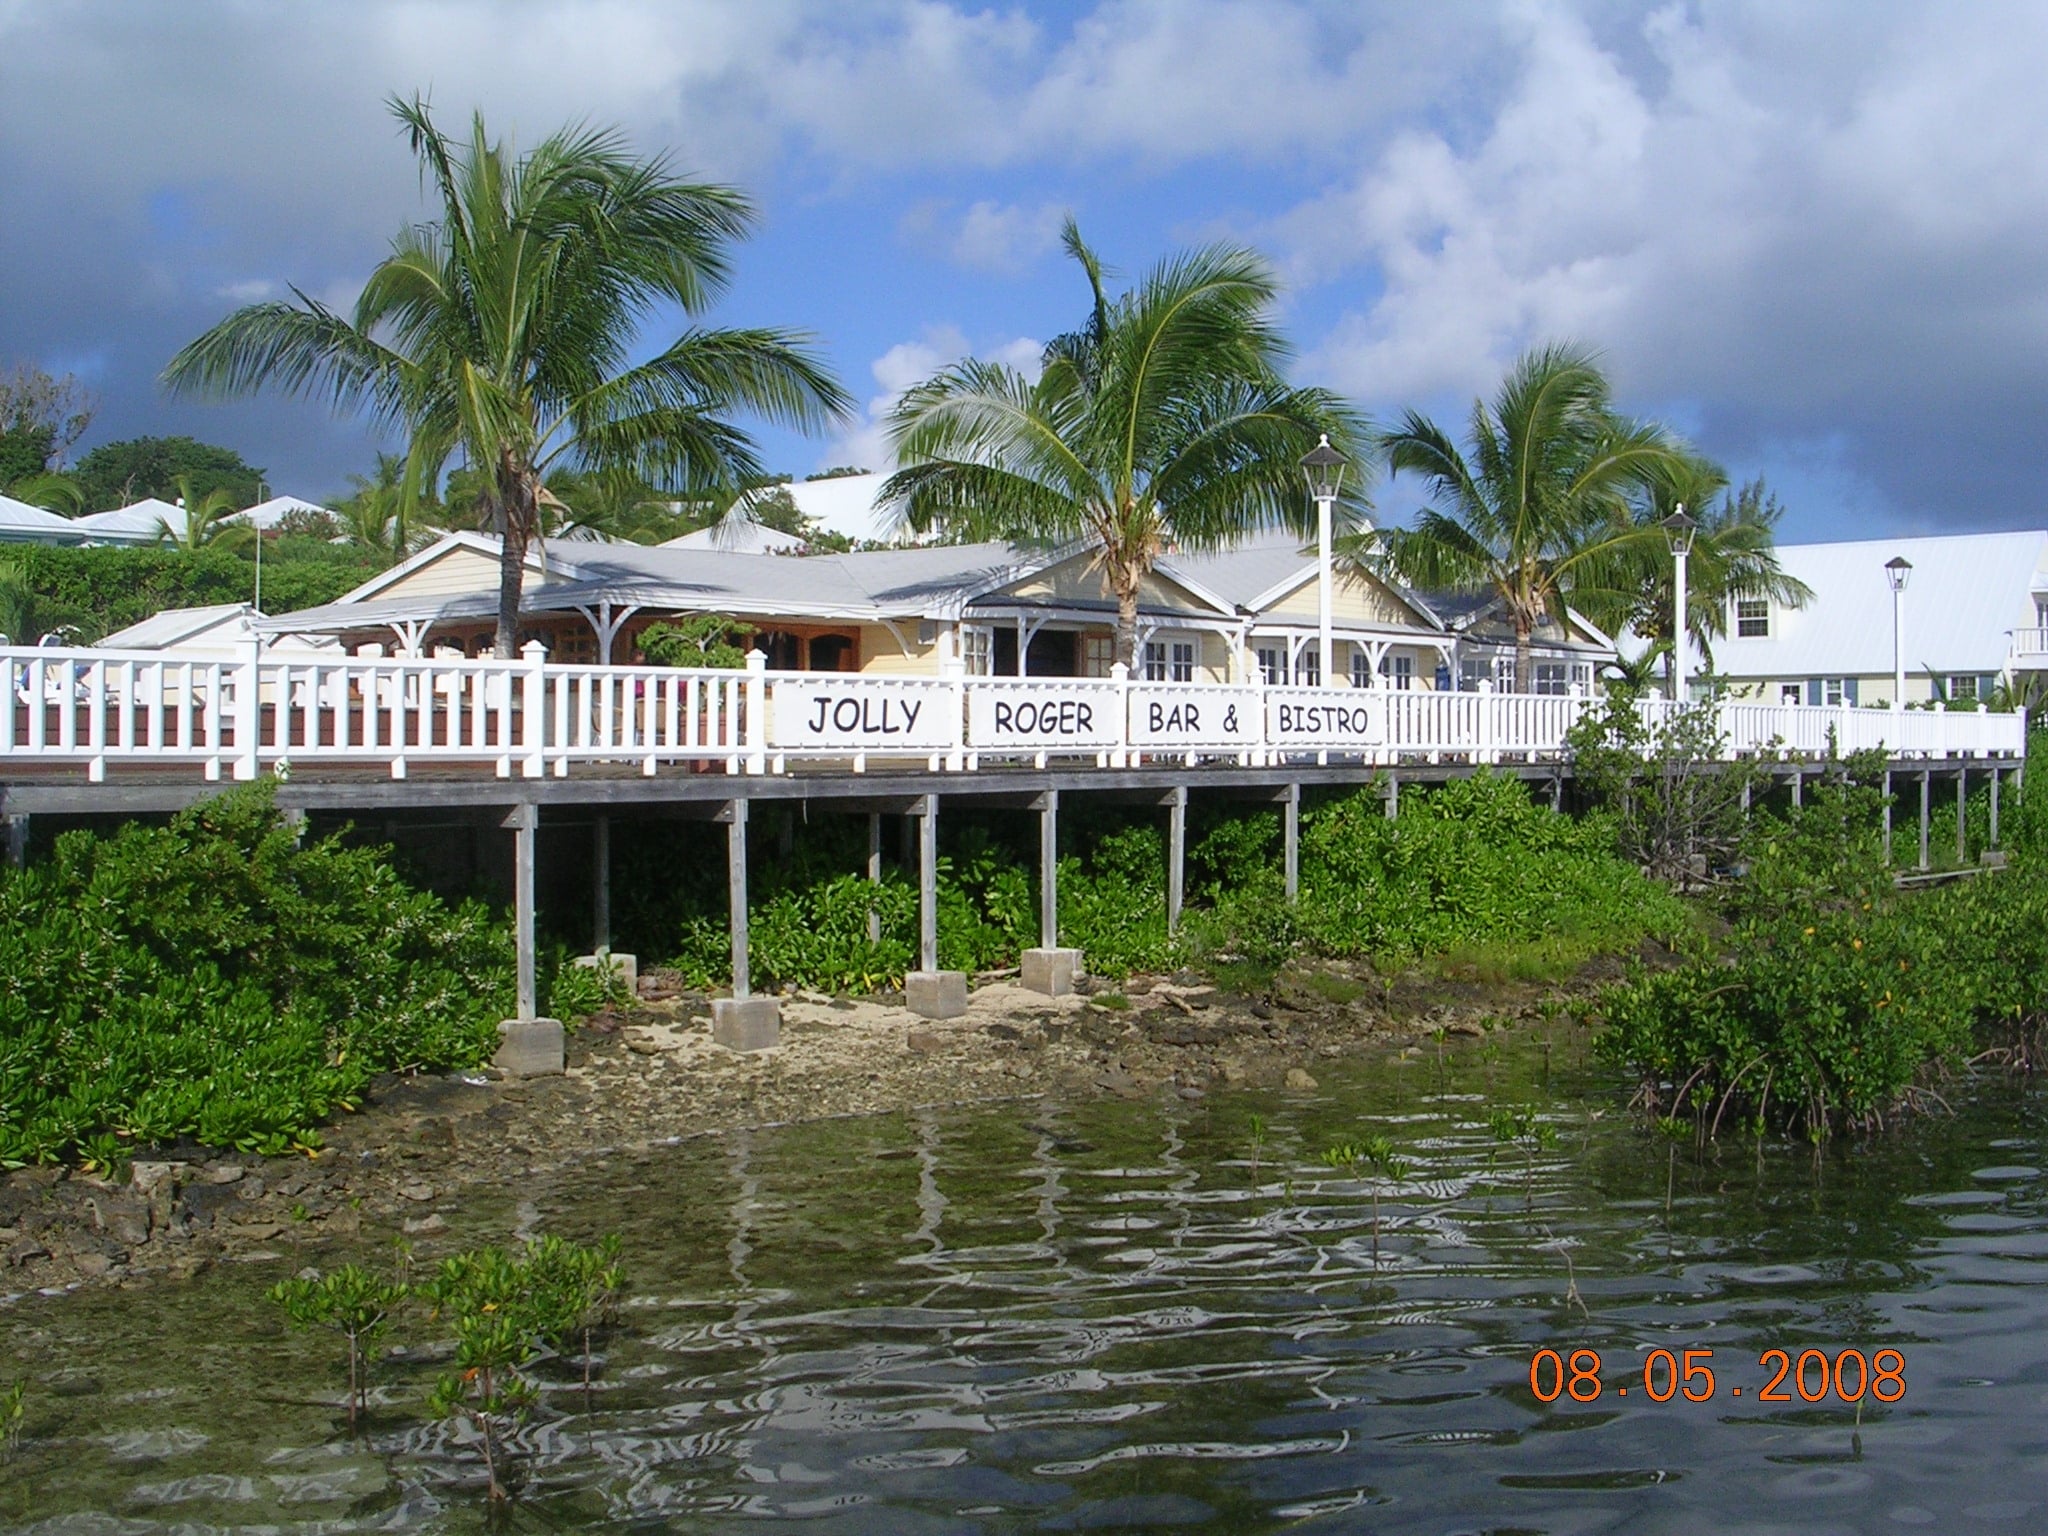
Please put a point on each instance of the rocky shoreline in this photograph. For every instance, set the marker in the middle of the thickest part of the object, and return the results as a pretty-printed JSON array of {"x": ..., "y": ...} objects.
[{"x": 649, "y": 1075}]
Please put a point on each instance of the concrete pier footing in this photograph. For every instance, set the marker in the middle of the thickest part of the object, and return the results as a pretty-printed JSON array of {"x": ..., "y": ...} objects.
[{"x": 936, "y": 994}]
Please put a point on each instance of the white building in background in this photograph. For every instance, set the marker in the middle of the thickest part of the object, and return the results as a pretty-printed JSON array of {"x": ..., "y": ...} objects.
[
  {"x": 1974, "y": 612},
  {"x": 21, "y": 523}
]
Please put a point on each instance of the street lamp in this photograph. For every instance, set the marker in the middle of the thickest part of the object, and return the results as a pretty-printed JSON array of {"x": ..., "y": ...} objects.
[
  {"x": 1324, "y": 468},
  {"x": 1896, "y": 570},
  {"x": 1678, "y": 532}
]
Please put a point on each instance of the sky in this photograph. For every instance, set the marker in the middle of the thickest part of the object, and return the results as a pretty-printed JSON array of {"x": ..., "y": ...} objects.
[{"x": 1811, "y": 237}]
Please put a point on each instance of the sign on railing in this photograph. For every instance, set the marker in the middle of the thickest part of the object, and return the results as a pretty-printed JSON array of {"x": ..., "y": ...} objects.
[{"x": 259, "y": 710}]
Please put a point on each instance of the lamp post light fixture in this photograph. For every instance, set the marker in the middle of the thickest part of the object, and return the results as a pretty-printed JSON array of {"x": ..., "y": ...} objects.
[
  {"x": 1324, "y": 468},
  {"x": 1896, "y": 570},
  {"x": 1679, "y": 531}
]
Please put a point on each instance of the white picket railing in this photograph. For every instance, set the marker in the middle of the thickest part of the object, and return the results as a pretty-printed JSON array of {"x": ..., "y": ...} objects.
[{"x": 102, "y": 709}]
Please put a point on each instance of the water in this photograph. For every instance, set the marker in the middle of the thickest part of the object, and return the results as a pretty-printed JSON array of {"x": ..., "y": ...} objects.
[{"x": 1046, "y": 1317}]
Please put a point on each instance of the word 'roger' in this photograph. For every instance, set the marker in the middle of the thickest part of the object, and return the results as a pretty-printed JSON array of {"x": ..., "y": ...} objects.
[
  {"x": 866, "y": 717},
  {"x": 1059, "y": 717}
]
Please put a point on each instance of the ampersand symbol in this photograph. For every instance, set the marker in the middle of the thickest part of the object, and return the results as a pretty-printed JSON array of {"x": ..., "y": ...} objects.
[{"x": 1230, "y": 718}]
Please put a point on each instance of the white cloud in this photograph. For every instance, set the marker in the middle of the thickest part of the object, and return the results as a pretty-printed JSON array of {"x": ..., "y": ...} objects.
[
  {"x": 1001, "y": 237},
  {"x": 909, "y": 363},
  {"x": 250, "y": 291},
  {"x": 1803, "y": 242}
]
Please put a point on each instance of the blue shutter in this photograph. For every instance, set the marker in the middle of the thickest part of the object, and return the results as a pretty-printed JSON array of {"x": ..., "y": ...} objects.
[
  {"x": 1848, "y": 690},
  {"x": 1813, "y": 693}
]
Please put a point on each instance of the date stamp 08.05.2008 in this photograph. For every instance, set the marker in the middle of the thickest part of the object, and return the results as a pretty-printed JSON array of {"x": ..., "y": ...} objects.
[{"x": 1807, "y": 1376}]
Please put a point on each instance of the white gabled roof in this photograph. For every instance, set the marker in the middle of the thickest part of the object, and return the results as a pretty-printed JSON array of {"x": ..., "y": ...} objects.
[
  {"x": 739, "y": 536},
  {"x": 21, "y": 523},
  {"x": 1965, "y": 591}
]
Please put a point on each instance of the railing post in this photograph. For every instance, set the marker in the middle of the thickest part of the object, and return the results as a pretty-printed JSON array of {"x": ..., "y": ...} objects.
[
  {"x": 249, "y": 710},
  {"x": 1120, "y": 674},
  {"x": 953, "y": 672},
  {"x": 533, "y": 722},
  {"x": 1482, "y": 724},
  {"x": 756, "y": 690}
]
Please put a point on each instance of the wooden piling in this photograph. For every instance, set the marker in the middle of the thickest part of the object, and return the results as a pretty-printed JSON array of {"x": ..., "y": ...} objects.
[{"x": 1290, "y": 843}]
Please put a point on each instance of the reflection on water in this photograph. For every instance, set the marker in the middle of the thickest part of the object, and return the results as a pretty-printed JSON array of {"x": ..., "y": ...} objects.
[{"x": 1102, "y": 1316}]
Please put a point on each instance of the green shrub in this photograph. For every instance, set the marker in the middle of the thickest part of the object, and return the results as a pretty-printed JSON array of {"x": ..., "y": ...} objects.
[
  {"x": 1827, "y": 1014},
  {"x": 213, "y": 979},
  {"x": 1474, "y": 862},
  {"x": 110, "y": 588}
]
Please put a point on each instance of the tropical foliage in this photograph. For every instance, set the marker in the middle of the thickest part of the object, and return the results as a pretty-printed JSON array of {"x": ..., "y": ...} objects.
[
  {"x": 116, "y": 474},
  {"x": 215, "y": 980},
  {"x": 99, "y": 590},
  {"x": 1535, "y": 507},
  {"x": 1733, "y": 555},
  {"x": 501, "y": 331},
  {"x": 209, "y": 521},
  {"x": 1164, "y": 422}
]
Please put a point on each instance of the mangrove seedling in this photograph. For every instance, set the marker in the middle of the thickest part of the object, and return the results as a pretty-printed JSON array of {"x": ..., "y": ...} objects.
[
  {"x": 353, "y": 1303},
  {"x": 576, "y": 1291},
  {"x": 486, "y": 1298},
  {"x": 11, "y": 1411},
  {"x": 1519, "y": 1127},
  {"x": 1376, "y": 1152}
]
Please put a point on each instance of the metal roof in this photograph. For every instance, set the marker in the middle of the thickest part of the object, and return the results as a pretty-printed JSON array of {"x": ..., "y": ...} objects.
[
  {"x": 23, "y": 524},
  {"x": 1965, "y": 591}
]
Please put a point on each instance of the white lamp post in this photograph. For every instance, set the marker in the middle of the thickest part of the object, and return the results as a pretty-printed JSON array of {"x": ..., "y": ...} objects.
[
  {"x": 1678, "y": 531},
  {"x": 1324, "y": 467},
  {"x": 1896, "y": 570}
]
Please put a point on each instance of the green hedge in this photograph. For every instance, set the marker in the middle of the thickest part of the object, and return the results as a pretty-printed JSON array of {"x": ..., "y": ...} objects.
[
  {"x": 106, "y": 589},
  {"x": 1836, "y": 994},
  {"x": 214, "y": 980}
]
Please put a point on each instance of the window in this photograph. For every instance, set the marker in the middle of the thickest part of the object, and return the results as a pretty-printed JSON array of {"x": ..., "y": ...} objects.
[
  {"x": 1361, "y": 671},
  {"x": 1181, "y": 662},
  {"x": 2040, "y": 612},
  {"x": 1472, "y": 671},
  {"x": 1752, "y": 617},
  {"x": 1155, "y": 662},
  {"x": 1964, "y": 688},
  {"x": 1098, "y": 655},
  {"x": 1272, "y": 665},
  {"x": 1582, "y": 676},
  {"x": 1553, "y": 677},
  {"x": 1788, "y": 693},
  {"x": 977, "y": 649},
  {"x": 1308, "y": 670},
  {"x": 1831, "y": 690},
  {"x": 1399, "y": 671}
]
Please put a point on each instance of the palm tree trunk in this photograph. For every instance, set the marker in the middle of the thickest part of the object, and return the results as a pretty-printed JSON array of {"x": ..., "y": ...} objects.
[
  {"x": 1524, "y": 662},
  {"x": 518, "y": 508},
  {"x": 1127, "y": 622}
]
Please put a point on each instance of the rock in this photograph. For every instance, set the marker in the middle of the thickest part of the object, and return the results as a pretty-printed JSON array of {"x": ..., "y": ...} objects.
[
  {"x": 417, "y": 1192},
  {"x": 1005, "y": 1032},
  {"x": 1300, "y": 1081},
  {"x": 259, "y": 1231},
  {"x": 251, "y": 1188},
  {"x": 150, "y": 1179},
  {"x": 26, "y": 1251},
  {"x": 1466, "y": 1028},
  {"x": 222, "y": 1173},
  {"x": 420, "y": 1226},
  {"x": 203, "y": 1203},
  {"x": 1233, "y": 1071},
  {"x": 123, "y": 1217},
  {"x": 926, "y": 1040},
  {"x": 643, "y": 1045}
]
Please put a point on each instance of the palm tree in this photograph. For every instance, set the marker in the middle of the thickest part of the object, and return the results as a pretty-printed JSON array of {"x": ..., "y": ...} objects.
[
  {"x": 501, "y": 332},
  {"x": 1536, "y": 505},
  {"x": 210, "y": 521},
  {"x": 52, "y": 491},
  {"x": 1163, "y": 423},
  {"x": 1734, "y": 555}
]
